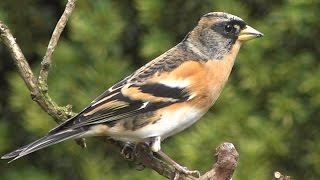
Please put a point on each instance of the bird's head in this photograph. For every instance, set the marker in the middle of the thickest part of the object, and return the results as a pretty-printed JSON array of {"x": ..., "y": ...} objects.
[{"x": 217, "y": 32}]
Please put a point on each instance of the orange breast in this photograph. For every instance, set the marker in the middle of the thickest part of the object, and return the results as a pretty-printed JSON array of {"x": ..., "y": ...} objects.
[{"x": 207, "y": 79}]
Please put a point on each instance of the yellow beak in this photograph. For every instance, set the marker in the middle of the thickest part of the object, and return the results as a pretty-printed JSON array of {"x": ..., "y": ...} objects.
[{"x": 249, "y": 33}]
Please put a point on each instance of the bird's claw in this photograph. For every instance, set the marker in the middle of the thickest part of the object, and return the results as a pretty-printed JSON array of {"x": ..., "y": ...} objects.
[
  {"x": 185, "y": 170},
  {"x": 128, "y": 152}
]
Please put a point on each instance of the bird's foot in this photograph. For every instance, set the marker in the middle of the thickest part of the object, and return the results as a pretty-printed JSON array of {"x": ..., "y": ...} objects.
[
  {"x": 180, "y": 169},
  {"x": 128, "y": 151}
]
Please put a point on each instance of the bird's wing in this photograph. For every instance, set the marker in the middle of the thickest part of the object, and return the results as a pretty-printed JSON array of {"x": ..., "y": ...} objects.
[
  {"x": 132, "y": 96},
  {"x": 126, "y": 101}
]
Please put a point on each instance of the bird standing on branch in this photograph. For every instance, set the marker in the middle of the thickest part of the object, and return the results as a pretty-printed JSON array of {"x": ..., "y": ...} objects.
[{"x": 165, "y": 96}]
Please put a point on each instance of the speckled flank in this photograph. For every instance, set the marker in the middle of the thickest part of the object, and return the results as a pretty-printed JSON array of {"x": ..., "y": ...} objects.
[{"x": 139, "y": 121}]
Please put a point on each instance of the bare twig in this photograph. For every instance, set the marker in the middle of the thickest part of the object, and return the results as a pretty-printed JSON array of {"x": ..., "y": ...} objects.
[
  {"x": 45, "y": 102},
  {"x": 19, "y": 59},
  {"x": 38, "y": 88},
  {"x": 226, "y": 162},
  {"x": 47, "y": 59}
]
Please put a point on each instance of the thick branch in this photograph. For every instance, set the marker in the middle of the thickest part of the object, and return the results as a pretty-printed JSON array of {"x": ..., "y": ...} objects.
[
  {"x": 46, "y": 62},
  {"x": 143, "y": 156},
  {"x": 226, "y": 162}
]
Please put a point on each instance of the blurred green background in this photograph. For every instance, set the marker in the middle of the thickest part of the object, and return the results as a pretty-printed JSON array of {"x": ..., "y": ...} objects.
[{"x": 269, "y": 109}]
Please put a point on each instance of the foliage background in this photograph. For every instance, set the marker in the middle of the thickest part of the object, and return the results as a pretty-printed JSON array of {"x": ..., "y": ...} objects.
[{"x": 269, "y": 108}]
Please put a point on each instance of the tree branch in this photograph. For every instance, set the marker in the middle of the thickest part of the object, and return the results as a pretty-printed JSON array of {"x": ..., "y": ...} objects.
[
  {"x": 226, "y": 153},
  {"x": 46, "y": 62},
  {"x": 19, "y": 59},
  {"x": 31, "y": 82},
  {"x": 38, "y": 89},
  {"x": 226, "y": 158},
  {"x": 226, "y": 162}
]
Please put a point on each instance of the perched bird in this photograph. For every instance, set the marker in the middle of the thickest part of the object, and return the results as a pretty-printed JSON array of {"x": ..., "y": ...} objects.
[{"x": 163, "y": 97}]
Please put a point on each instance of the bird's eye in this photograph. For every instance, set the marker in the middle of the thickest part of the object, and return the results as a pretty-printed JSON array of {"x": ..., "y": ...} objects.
[
  {"x": 228, "y": 28},
  {"x": 232, "y": 28}
]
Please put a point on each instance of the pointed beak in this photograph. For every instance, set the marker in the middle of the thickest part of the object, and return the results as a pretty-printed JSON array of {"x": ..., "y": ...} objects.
[{"x": 249, "y": 33}]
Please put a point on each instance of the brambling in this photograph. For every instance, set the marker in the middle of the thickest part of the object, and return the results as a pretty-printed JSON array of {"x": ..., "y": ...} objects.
[{"x": 163, "y": 97}]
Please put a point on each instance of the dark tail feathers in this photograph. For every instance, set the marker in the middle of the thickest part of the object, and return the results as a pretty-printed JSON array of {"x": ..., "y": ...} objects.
[{"x": 43, "y": 142}]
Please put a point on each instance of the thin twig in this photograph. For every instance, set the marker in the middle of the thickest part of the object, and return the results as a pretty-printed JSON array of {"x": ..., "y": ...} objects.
[
  {"x": 19, "y": 59},
  {"x": 44, "y": 100},
  {"x": 38, "y": 90},
  {"x": 47, "y": 59}
]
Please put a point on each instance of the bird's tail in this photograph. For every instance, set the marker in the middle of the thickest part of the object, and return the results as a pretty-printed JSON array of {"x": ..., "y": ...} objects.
[{"x": 43, "y": 142}]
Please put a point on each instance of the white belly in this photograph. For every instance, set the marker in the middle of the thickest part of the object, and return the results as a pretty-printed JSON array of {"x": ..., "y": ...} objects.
[
  {"x": 175, "y": 122},
  {"x": 170, "y": 123}
]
